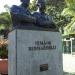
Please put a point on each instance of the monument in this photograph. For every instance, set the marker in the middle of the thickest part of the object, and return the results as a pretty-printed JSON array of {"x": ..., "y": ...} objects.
[
  {"x": 21, "y": 16},
  {"x": 35, "y": 46},
  {"x": 42, "y": 19}
]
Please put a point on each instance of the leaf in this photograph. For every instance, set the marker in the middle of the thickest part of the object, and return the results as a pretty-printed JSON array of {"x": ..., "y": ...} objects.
[{"x": 68, "y": 11}]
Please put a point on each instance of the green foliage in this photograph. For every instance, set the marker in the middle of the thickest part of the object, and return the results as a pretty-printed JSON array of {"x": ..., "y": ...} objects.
[
  {"x": 5, "y": 26},
  {"x": 70, "y": 10},
  {"x": 3, "y": 52},
  {"x": 32, "y": 6},
  {"x": 59, "y": 19},
  {"x": 70, "y": 4},
  {"x": 59, "y": 4},
  {"x": 5, "y": 20}
]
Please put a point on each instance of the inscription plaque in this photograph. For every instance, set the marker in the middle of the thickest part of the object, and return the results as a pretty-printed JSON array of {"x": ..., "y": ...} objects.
[{"x": 43, "y": 67}]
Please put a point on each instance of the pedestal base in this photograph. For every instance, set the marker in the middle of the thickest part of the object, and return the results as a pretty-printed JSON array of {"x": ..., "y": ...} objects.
[{"x": 33, "y": 52}]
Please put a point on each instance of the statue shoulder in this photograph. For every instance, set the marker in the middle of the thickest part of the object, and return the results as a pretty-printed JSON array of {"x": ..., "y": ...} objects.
[
  {"x": 36, "y": 14},
  {"x": 15, "y": 8}
]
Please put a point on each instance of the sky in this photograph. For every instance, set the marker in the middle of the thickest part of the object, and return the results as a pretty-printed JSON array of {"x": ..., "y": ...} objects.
[{"x": 9, "y": 3}]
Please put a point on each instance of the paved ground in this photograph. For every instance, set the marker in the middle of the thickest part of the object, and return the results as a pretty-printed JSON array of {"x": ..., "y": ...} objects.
[
  {"x": 69, "y": 64},
  {"x": 69, "y": 73}
]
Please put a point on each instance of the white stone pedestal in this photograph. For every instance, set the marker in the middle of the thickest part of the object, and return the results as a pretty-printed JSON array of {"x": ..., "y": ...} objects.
[{"x": 33, "y": 52}]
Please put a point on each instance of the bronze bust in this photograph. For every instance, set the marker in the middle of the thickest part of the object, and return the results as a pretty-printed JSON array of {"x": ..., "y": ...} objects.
[
  {"x": 21, "y": 16},
  {"x": 23, "y": 19},
  {"x": 42, "y": 19}
]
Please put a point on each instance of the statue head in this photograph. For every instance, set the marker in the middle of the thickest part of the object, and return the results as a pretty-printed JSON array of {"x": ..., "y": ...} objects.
[
  {"x": 41, "y": 5},
  {"x": 25, "y": 2}
]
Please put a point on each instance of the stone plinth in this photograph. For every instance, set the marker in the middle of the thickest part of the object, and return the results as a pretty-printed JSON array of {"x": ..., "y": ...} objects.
[{"x": 33, "y": 52}]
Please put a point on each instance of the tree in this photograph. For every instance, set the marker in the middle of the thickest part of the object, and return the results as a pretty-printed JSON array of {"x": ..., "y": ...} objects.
[
  {"x": 5, "y": 20},
  {"x": 59, "y": 4},
  {"x": 5, "y": 24},
  {"x": 5, "y": 27},
  {"x": 70, "y": 10},
  {"x": 54, "y": 8}
]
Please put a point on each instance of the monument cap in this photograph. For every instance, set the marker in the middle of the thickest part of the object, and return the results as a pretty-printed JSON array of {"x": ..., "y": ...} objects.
[{"x": 25, "y": 1}]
